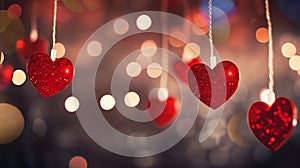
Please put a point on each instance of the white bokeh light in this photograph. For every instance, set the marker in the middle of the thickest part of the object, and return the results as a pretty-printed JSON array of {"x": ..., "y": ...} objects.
[
  {"x": 107, "y": 102},
  {"x": 71, "y": 104},
  {"x": 19, "y": 77},
  {"x": 162, "y": 94},
  {"x": 94, "y": 48},
  {"x": 133, "y": 69},
  {"x": 143, "y": 22},
  {"x": 121, "y": 26}
]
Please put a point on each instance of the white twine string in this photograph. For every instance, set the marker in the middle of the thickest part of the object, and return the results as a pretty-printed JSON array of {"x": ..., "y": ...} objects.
[
  {"x": 53, "y": 50},
  {"x": 213, "y": 59},
  {"x": 271, "y": 55}
]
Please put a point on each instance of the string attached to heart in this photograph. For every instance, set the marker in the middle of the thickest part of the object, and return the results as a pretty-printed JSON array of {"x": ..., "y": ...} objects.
[
  {"x": 48, "y": 74},
  {"x": 215, "y": 84},
  {"x": 272, "y": 121}
]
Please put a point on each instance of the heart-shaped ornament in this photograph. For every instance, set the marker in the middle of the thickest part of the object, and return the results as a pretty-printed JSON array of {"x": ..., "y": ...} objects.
[
  {"x": 6, "y": 73},
  {"x": 25, "y": 48},
  {"x": 213, "y": 86},
  {"x": 47, "y": 76},
  {"x": 273, "y": 125}
]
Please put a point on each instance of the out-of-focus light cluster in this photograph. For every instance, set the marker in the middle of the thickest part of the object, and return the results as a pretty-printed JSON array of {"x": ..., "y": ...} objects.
[
  {"x": 289, "y": 50},
  {"x": 11, "y": 27}
]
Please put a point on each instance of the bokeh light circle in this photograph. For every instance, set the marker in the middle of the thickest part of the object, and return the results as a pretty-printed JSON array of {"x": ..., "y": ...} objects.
[
  {"x": 19, "y": 77},
  {"x": 107, "y": 102},
  {"x": 71, "y": 104},
  {"x": 78, "y": 162},
  {"x": 11, "y": 123},
  {"x": 121, "y": 26},
  {"x": 143, "y": 22},
  {"x": 288, "y": 49}
]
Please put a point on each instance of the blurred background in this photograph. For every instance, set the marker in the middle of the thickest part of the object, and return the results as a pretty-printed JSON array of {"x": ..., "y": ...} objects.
[{"x": 46, "y": 132}]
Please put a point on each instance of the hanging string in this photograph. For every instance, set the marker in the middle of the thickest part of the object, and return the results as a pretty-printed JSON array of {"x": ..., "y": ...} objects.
[
  {"x": 53, "y": 50},
  {"x": 213, "y": 59},
  {"x": 271, "y": 96},
  {"x": 34, "y": 31},
  {"x": 165, "y": 56}
]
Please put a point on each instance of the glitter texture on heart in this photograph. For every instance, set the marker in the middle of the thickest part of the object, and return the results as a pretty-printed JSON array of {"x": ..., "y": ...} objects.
[
  {"x": 47, "y": 76},
  {"x": 273, "y": 125},
  {"x": 222, "y": 80}
]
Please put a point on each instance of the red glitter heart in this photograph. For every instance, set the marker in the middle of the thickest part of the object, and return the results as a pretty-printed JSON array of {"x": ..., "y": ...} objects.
[
  {"x": 26, "y": 48},
  {"x": 6, "y": 73},
  {"x": 223, "y": 79},
  {"x": 168, "y": 110},
  {"x": 47, "y": 76},
  {"x": 273, "y": 125}
]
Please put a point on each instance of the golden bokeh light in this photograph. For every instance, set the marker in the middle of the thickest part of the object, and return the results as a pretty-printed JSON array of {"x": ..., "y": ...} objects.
[
  {"x": 149, "y": 48},
  {"x": 288, "y": 49},
  {"x": 236, "y": 132},
  {"x": 11, "y": 123},
  {"x": 190, "y": 51},
  {"x": 60, "y": 50},
  {"x": 4, "y": 20},
  {"x": 154, "y": 70},
  {"x": 294, "y": 62},
  {"x": 2, "y": 57},
  {"x": 131, "y": 99}
]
